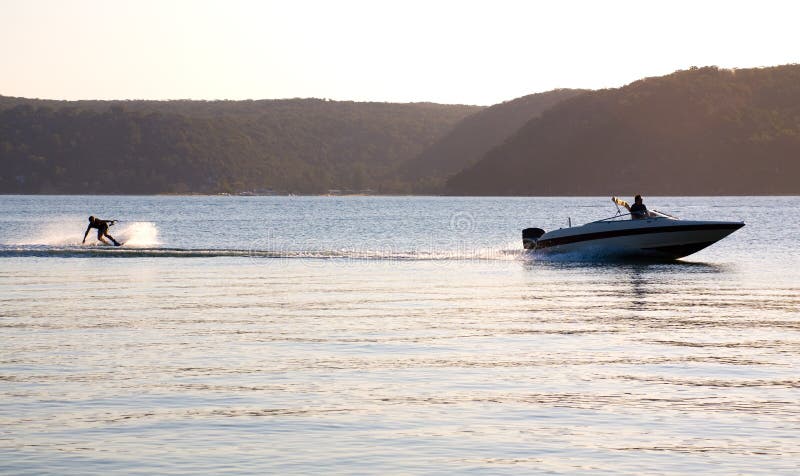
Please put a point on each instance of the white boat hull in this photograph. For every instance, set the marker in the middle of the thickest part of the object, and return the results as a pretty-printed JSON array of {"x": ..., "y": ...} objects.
[{"x": 656, "y": 238}]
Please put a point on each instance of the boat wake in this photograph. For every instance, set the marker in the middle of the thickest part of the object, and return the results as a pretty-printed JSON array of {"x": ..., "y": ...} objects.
[
  {"x": 52, "y": 235},
  {"x": 103, "y": 251}
]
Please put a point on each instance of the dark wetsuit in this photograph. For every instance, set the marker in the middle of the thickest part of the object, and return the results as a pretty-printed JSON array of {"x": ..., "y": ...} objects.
[
  {"x": 102, "y": 230},
  {"x": 638, "y": 211}
]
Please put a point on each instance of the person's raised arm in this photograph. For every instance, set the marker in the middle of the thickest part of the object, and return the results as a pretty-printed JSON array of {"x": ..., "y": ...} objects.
[{"x": 621, "y": 202}]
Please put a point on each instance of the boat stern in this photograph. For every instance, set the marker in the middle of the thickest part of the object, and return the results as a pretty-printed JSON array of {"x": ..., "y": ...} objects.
[{"x": 530, "y": 236}]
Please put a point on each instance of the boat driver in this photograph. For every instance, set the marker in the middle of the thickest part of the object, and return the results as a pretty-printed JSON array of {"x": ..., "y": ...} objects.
[{"x": 638, "y": 210}]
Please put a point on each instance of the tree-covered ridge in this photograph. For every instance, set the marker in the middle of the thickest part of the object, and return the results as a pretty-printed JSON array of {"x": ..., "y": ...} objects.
[
  {"x": 704, "y": 131},
  {"x": 473, "y": 137},
  {"x": 301, "y": 145},
  {"x": 701, "y": 131}
]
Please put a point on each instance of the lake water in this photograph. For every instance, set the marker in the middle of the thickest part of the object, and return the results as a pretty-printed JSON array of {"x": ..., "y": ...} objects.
[{"x": 401, "y": 335}]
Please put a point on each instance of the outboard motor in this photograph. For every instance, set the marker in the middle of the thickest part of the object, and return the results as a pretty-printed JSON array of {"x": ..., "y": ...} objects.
[{"x": 530, "y": 236}]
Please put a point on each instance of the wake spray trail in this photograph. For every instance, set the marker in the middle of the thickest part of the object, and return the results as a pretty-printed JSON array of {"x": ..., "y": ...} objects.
[
  {"x": 139, "y": 234},
  {"x": 69, "y": 232}
]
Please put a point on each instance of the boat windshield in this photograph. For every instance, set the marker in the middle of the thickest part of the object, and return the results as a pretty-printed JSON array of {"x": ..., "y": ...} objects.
[
  {"x": 651, "y": 214},
  {"x": 658, "y": 214}
]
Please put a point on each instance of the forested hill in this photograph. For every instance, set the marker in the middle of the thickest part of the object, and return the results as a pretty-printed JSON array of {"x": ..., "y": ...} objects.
[
  {"x": 475, "y": 136},
  {"x": 704, "y": 131},
  {"x": 298, "y": 145}
]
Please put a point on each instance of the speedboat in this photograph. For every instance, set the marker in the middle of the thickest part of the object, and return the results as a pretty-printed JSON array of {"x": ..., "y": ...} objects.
[{"x": 657, "y": 236}]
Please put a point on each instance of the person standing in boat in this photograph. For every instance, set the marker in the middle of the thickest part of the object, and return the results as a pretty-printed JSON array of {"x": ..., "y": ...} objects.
[{"x": 638, "y": 210}]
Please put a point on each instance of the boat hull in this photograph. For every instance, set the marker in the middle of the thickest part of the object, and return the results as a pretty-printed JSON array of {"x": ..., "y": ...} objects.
[{"x": 651, "y": 238}]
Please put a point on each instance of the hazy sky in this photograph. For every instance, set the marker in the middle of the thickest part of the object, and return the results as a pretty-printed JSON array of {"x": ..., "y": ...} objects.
[{"x": 470, "y": 52}]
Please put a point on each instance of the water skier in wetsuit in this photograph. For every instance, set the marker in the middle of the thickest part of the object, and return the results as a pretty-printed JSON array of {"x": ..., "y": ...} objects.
[{"x": 102, "y": 230}]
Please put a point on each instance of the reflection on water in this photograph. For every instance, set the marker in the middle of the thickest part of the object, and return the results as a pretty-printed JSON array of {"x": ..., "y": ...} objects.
[
  {"x": 636, "y": 283},
  {"x": 362, "y": 366}
]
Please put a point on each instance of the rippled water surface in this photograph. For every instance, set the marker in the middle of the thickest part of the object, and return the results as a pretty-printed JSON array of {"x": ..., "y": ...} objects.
[{"x": 391, "y": 335}]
